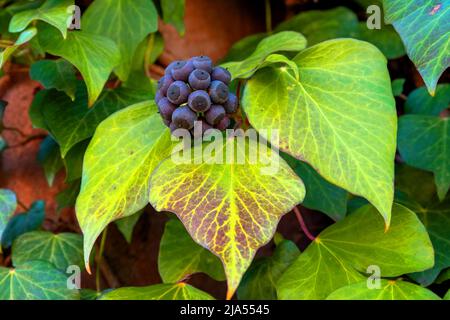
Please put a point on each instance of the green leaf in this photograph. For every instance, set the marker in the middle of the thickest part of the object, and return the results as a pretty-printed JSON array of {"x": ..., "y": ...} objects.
[
  {"x": 62, "y": 250},
  {"x": 179, "y": 256},
  {"x": 73, "y": 161},
  {"x": 173, "y": 13},
  {"x": 386, "y": 39},
  {"x": 447, "y": 295},
  {"x": 178, "y": 291},
  {"x": 132, "y": 22},
  {"x": 93, "y": 55},
  {"x": 24, "y": 37},
  {"x": 320, "y": 25},
  {"x": 54, "y": 12},
  {"x": 231, "y": 208},
  {"x": 8, "y": 204},
  {"x": 320, "y": 194},
  {"x": 444, "y": 276},
  {"x": 50, "y": 158},
  {"x": 122, "y": 155},
  {"x": 424, "y": 143},
  {"x": 73, "y": 122},
  {"x": 340, "y": 117},
  {"x": 389, "y": 290},
  {"x": 343, "y": 251},
  {"x": 429, "y": 46},
  {"x": 57, "y": 74},
  {"x": 436, "y": 218},
  {"x": 23, "y": 223},
  {"x": 283, "y": 41},
  {"x": 420, "y": 102},
  {"x": 259, "y": 282},
  {"x": 35, "y": 280},
  {"x": 397, "y": 86},
  {"x": 244, "y": 48},
  {"x": 68, "y": 196},
  {"x": 126, "y": 225}
]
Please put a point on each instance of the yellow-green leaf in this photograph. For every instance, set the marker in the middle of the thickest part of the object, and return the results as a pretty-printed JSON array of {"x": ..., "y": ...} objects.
[
  {"x": 230, "y": 208},
  {"x": 122, "y": 155},
  {"x": 340, "y": 116},
  {"x": 24, "y": 37}
]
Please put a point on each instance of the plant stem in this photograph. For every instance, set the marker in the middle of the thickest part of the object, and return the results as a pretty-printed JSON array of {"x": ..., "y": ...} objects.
[
  {"x": 268, "y": 17},
  {"x": 303, "y": 224},
  {"x": 99, "y": 259},
  {"x": 148, "y": 52}
]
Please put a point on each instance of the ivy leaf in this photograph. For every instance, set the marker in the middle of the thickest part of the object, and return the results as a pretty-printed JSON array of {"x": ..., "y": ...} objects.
[
  {"x": 320, "y": 25},
  {"x": 173, "y": 13},
  {"x": 58, "y": 74},
  {"x": 54, "y": 12},
  {"x": 126, "y": 225},
  {"x": 352, "y": 112},
  {"x": 35, "y": 280},
  {"x": 390, "y": 290},
  {"x": 179, "y": 256},
  {"x": 50, "y": 158},
  {"x": 244, "y": 47},
  {"x": 346, "y": 249},
  {"x": 62, "y": 250},
  {"x": 68, "y": 196},
  {"x": 420, "y": 102},
  {"x": 23, "y": 223},
  {"x": 73, "y": 161},
  {"x": 178, "y": 291},
  {"x": 133, "y": 21},
  {"x": 386, "y": 39},
  {"x": 221, "y": 204},
  {"x": 424, "y": 143},
  {"x": 398, "y": 86},
  {"x": 122, "y": 155},
  {"x": 444, "y": 276},
  {"x": 428, "y": 47},
  {"x": 24, "y": 37},
  {"x": 260, "y": 279},
  {"x": 320, "y": 194},
  {"x": 73, "y": 122},
  {"x": 436, "y": 218},
  {"x": 8, "y": 204},
  {"x": 447, "y": 295},
  {"x": 283, "y": 41},
  {"x": 93, "y": 55}
]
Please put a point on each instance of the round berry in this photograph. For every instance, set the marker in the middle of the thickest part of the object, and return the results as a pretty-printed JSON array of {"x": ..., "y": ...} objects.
[
  {"x": 164, "y": 84},
  {"x": 181, "y": 70},
  {"x": 215, "y": 114},
  {"x": 223, "y": 124},
  {"x": 232, "y": 103},
  {"x": 202, "y": 62},
  {"x": 199, "y": 79},
  {"x": 178, "y": 92},
  {"x": 158, "y": 96},
  {"x": 218, "y": 92},
  {"x": 221, "y": 74},
  {"x": 169, "y": 68},
  {"x": 183, "y": 117},
  {"x": 172, "y": 127},
  {"x": 167, "y": 122},
  {"x": 166, "y": 108},
  {"x": 199, "y": 101}
]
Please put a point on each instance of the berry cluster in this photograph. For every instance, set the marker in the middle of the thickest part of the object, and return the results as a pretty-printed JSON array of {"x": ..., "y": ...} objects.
[{"x": 195, "y": 90}]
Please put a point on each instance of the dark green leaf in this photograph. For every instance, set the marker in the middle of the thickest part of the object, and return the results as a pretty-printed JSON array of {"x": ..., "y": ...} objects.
[
  {"x": 420, "y": 102},
  {"x": 68, "y": 196},
  {"x": 73, "y": 161},
  {"x": 126, "y": 225},
  {"x": 50, "y": 158},
  {"x": 8, "y": 204},
  {"x": 173, "y": 13},
  {"x": 397, "y": 87}
]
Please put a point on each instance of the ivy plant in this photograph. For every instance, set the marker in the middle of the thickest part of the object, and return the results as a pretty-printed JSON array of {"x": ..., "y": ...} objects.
[{"x": 350, "y": 137}]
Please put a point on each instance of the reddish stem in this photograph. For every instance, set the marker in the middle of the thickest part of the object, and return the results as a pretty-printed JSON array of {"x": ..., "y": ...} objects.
[{"x": 303, "y": 224}]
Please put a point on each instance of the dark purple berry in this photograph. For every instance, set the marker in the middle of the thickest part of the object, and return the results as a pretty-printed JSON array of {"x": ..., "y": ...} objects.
[
  {"x": 172, "y": 127},
  {"x": 169, "y": 68},
  {"x": 181, "y": 70},
  {"x": 202, "y": 62},
  {"x": 232, "y": 103},
  {"x": 167, "y": 122},
  {"x": 183, "y": 117},
  {"x": 164, "y": 84},
  {"x": 199, "y": 79},
  {"x": 223, "y": 124},
  {"x": 215, "y": 114},
  {"x": 221, "y": 74},
  {"x": 199, "y": 101},
  {"x": 166, "y": 108},
  {"x": 158, "y": 96},
  {"x": 178, "y": 92},
  {"x": 218, "y": 91}
]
